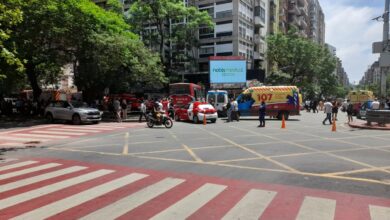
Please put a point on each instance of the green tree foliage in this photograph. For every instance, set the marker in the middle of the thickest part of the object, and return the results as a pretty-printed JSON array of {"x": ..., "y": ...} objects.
[
  {"x": 10, "y": 16},
  {"x": 298, "y": 61},
  {"x": 98, "y": 42},
  {"x": 181, "y": 35}
]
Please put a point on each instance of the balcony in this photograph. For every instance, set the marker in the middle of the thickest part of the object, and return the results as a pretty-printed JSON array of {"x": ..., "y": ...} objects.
[
  {"x": 294, "y": 20},
  {"x": 259, "y": 21},
  {"x": 258, "y": 56},
  {"x": 293, "y": 9},
  {"x": 302, "y": 23}
]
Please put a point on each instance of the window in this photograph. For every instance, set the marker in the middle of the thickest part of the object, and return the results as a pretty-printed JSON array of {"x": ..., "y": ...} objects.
[
  {"x": 221, "y": 98},
  {"x": 224, "y": 14}
]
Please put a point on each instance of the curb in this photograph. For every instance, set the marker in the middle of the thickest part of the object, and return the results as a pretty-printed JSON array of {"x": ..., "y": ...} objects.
[{"x": 365, "y": 126}]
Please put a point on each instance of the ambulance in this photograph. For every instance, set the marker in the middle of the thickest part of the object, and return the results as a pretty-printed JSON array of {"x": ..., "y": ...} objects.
[
  {"x": 358, "y": 97},
  {"x": 280, "y": 100}
]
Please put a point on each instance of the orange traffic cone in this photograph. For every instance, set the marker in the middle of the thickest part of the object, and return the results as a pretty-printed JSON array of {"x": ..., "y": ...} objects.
[
  {"x": 334, "y": 125},
  {"x": 283, "y": 122},
  {"x": 204, "y": 120}
]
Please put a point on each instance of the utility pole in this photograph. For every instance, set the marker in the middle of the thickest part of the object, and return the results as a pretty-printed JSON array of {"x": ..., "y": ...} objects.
[
  {"x": 384, "y": 69},
  {"x": 384, "y": 49}
]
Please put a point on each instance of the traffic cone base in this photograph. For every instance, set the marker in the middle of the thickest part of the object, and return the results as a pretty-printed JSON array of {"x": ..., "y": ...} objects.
[
  {"x": 334, "y": 125},
  {"x": 283, "y": 122}
]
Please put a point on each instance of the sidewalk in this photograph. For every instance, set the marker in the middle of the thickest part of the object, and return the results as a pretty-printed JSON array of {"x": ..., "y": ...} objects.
[{"x": 363, "y": 125}]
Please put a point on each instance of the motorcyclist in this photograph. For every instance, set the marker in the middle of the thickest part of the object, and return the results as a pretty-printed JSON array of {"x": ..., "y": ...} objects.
[{"x": 158, "y": 111}]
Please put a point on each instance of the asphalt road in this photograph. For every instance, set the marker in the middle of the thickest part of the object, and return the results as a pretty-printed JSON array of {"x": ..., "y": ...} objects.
[{"x": 306, "y": 153}]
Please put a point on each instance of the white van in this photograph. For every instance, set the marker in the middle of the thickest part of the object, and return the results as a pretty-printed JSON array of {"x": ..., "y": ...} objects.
[{"x": 219, "y": 99}]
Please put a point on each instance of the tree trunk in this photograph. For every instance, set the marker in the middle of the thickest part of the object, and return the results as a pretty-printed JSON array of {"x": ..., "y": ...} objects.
[{"x": 32, "y": 77}]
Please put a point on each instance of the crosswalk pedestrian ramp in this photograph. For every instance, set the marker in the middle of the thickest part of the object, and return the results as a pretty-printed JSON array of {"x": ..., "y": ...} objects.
[
  {"x": 42, "y": 189},
  {"x": 45, "y": 133}
]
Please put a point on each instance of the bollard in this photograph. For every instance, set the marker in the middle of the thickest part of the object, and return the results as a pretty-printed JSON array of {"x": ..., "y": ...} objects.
[
  {"x": 204, "y": 119},
  {"x": 283, "y": 122}
]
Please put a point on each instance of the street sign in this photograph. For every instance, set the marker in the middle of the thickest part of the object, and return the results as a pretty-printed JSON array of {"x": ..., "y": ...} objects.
[{"x": 384, "y": 59}]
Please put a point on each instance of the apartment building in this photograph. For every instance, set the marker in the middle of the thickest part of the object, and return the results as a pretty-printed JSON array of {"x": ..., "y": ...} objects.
[
  {"x": 294, "y": 13},
  {"x": 316, "y": 22},
  {"x": 241, "y": 27},
  {"x": 372, "y": 75}
]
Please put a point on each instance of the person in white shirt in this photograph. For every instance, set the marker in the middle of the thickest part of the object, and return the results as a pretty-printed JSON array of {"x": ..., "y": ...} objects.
[
  {"x": 328, "y": 111},
  {"x": 142, "y": 113},
  {"x": 375, "y": 105}
]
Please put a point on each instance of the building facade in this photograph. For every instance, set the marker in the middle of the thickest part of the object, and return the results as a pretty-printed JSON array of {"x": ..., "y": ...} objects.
[
  {"x": 372, "y": 75},
  {"x": 316, "y": 22}
]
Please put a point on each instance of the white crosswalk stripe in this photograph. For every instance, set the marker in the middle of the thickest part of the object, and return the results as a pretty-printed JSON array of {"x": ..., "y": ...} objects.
[
  {"x": 13, "y": 200},
  {"x": 379, "y": 213},
  {"x": 21, "y": 139},
  {"x": 191, "y": 203},
  {"x": 77, "y": 199},
  {"x": 7, "y": 160},
  {"x": 29, "y": 170},
  {"x": 42, "y": 136},
  {"x": 317, "y": 208},
  {"x": 35, "y": 179},
  {"x": 134, "y": 200},
  {"x": 251, "y": 206},
  {"x": 58, "y": 132},
  {"x": 74, "y": 130},
  {"x": 16, "y": 165},
  {"x": 93, "y": 128}
]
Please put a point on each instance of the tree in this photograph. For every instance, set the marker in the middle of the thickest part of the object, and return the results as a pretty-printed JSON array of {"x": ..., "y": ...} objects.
[
  {"x": 11, "y": 15},
  {"x": 56, "y": 32},
  {"x": 299, "y": 61},
  {"x": 175, "y": 24}
]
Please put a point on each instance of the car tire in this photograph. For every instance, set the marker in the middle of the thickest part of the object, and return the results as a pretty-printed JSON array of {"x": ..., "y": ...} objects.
[
  {"x": 95, "y": 122},
  {"x": 49, "y": 118},
  {"x": 213, "y": 120},
  {"x": 76, "y": 120},
  {"x": 177, "y": 118},
  {"x": 196, "y": 119}
]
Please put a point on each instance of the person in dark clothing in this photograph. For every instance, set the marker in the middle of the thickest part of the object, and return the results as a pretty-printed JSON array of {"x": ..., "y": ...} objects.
[
  {"x": 314, "y": 104},
  {"x": 262, "y": 109}
]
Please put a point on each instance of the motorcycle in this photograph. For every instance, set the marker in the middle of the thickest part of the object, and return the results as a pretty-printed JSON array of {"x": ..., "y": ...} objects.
[{"x": 152, "y": 121}]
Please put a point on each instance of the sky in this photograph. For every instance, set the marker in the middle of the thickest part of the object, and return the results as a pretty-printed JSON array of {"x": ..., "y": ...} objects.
[{"x": 349, "y": 27}]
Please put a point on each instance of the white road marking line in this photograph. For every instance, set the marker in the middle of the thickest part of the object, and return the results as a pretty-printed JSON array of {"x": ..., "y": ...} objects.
[
  {"x": 12, "y": 144},
  {"x": 58, "y": 132},
  {"x": 379, "y": 212},
  {"x": 28, "y": 129},
  {"x": 29, "y": 170},
  {"x": 251, "y": 206},
  {"x": 16, "y": 165},
  {"x": 71, "y": 129},
  {"x": 35, "y": 179},
  {"x": 191, "y": 203},
  {"x": 13, "y": 200},
  {"x": 79, "y": 198},
  {"x": 317, "y": 208},
  {"x": 91, "y": 128},
  {"x": 20, "y": 139},
  {"x": 42, "y": 136},
  {"x": 134, "y": 200}
]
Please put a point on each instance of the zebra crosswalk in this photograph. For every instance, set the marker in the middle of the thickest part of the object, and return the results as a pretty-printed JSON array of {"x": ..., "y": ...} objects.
[
  {"x": 61, "y": 189},
  {"x": 45, "y": 133}
]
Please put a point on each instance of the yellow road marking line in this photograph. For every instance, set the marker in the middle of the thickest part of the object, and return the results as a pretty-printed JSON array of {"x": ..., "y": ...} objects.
[
  {"x": 229, "y": 165},
  {"x": 253, "y": 152},
  {"x": 357, "y": 171},
  {"x": 192, "y": 153},
  {"x": 159, "y": 151},
  {"x": 236, "y": 160}
]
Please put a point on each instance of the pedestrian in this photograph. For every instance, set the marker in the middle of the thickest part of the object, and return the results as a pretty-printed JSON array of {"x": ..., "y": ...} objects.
[
  {"x": 335, "y": 110},
  {"x": 375, "y": 104},
  {"x": 349, "y": 111},
  {"x": 124, "y": 109},
  {"x": 117, "y": 110},
  {"x": 142, "y": 112},
  {"x": 235, "y": 111},
  {"x": 321, "y": 105},
  {"x": 328, "y": 111},
  {"x": 229, "y": 111},
  {"x": 314, "y": 106},
  {"x": 262, "y": 109}
]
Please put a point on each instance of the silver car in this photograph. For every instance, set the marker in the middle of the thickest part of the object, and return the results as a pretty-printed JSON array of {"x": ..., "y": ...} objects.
[{"x": 76, "y": 112}]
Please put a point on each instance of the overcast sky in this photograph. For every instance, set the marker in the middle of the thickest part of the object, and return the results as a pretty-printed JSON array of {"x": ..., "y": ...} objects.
[{"x": 350, "y": 28}]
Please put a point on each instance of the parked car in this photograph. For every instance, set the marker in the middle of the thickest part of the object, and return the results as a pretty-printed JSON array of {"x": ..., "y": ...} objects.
[
  {"x": 76, "y": 112},
  {"x": 196, "y": 112}
]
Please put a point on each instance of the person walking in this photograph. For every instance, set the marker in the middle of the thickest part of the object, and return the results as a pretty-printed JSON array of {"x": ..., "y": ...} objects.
[
  {"x": 335, "y": 110},
  {"x": 314, "y": 104},
  {"x": 262, "y": 109},
  {"x": 117, "y": 110},
  {"x": 375, "y": 104},
  {"x": 349, "y": 111},
  {"x": 124, "y": 109},
  {"x": 229, "y": 111},
  {"x": 328, "y": 111},
  {"x": 142, "y": 112},
  {"x": 235, "y": 111}
]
